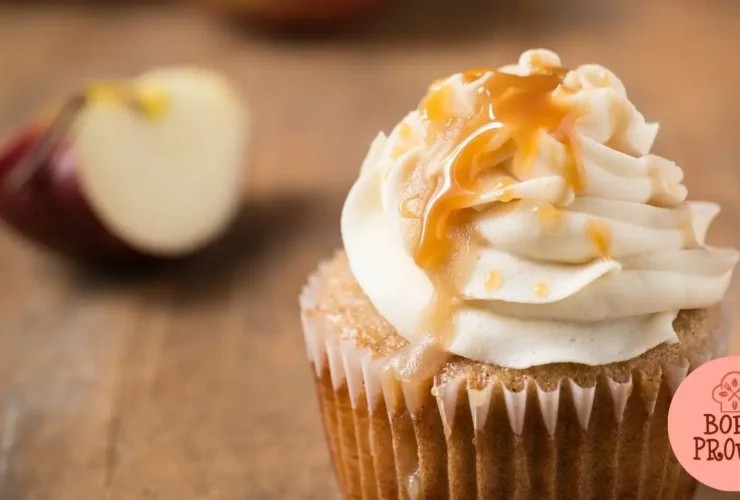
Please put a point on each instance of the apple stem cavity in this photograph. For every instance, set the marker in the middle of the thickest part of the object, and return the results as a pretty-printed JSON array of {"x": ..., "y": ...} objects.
[
  {"x": 152, "y": 102},
  {"x": 32, "y": 162}
]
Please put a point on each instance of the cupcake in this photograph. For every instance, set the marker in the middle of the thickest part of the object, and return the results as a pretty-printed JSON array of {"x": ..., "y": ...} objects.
[{"x": 522, "y": 288}]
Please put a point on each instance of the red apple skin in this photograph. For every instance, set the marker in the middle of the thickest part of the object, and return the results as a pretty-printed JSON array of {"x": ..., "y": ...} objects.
[
  {"x": 299, "y": 15},
  {"x": 50, "y": 209}
]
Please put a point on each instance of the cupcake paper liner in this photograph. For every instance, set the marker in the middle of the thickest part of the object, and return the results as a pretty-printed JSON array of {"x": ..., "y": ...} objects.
[{"x": 393, "y": 439}]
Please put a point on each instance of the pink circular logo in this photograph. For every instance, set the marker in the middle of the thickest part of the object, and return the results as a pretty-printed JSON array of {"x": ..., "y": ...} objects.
[{"x": 704, "y": 424}]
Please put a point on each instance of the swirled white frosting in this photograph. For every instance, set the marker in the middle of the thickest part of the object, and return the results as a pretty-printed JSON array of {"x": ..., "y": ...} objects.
[{"x": 540, "y": 290}]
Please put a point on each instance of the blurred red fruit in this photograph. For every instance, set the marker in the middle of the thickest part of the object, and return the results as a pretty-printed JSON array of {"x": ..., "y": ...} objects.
[
  {"x": 301, "y": 15},
  {"x": 50, "y": 207}
]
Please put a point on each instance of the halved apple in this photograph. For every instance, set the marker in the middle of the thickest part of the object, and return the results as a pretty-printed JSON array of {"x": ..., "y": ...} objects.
[{"x": 153, "y": 166}]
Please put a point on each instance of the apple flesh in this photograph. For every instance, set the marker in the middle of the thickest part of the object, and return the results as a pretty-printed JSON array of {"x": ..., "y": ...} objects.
[
  {"x": 150, "y": 168},
  {"x": 301, "y": 15}
]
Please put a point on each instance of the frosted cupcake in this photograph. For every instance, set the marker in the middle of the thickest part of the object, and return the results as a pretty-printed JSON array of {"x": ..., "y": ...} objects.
[{"x": 522, "y": 288}]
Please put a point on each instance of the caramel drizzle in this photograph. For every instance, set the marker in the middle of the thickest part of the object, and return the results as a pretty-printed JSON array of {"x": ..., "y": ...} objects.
[
  {"x": 551, "y": 217},
  {"x": 499, "y": 136},
  {"x": 493, "y": 281},
  {"x": 509, "y": 113},
  {"x": 600, "y": 237},
  {"x": 542, "y": 289},
  {"x": 686, "y": 226}
]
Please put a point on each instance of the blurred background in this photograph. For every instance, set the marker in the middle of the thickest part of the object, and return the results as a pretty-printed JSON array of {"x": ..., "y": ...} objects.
[{"x": 189, "y": 380}]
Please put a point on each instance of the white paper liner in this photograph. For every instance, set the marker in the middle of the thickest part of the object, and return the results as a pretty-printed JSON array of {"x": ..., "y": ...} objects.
[
  {"x": 621, "y": 391},
  {"x": 516, "y": 405},
  {"x": 446, "y": 396},
  {"x": 549, "y": 403},
  {"x": 583, "y": 400},
  {"x": 352, "y": 364},
  {"x": 480, "y": 402},
  {"x": 371, "y": 379}
]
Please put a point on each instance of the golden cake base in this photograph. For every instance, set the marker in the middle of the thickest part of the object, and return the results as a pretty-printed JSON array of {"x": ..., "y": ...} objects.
[{"x": 472, "y": 430}]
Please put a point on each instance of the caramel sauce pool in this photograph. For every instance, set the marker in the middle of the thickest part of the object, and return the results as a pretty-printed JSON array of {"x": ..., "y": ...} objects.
[{"x": 508, "y": 115}]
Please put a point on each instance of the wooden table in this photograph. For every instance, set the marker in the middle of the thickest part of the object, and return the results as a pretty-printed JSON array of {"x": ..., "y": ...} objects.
[{"x": 191, "y": 381}]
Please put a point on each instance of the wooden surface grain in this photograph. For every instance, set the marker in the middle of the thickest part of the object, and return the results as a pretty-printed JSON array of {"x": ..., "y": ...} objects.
[{"x": 191, "y": 381}]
